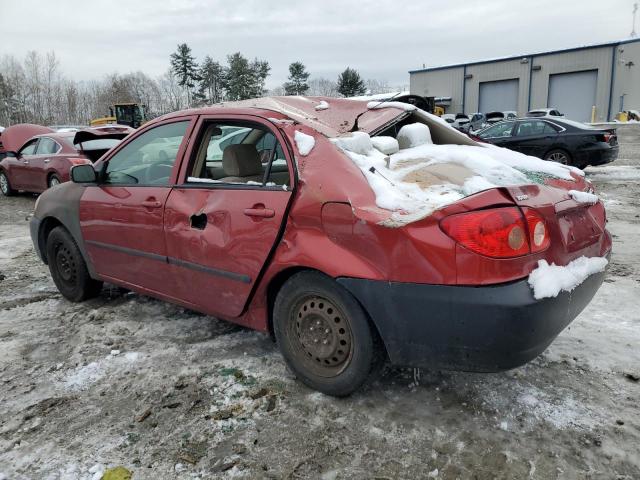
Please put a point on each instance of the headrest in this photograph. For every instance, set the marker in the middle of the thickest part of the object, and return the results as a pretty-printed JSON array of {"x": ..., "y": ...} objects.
[{"x": 241, "y": 160}]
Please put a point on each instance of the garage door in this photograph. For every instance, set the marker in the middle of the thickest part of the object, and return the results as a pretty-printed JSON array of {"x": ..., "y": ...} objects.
[
  {"x": 574, "y": 94},
  {"x": 499, "y": 96}
]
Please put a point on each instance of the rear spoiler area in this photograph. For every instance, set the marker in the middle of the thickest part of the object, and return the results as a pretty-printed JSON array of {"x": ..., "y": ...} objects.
[{"x": 115, "y": 133}]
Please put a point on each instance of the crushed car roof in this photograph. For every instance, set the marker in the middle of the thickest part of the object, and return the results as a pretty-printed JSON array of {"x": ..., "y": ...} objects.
[{"x": 329, "y": 116}]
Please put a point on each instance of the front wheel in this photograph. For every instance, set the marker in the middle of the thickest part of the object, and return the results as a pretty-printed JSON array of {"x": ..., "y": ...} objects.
[
  {"x": 5, "y": 186},
  {"x": 559, "y": 156},
  {"x": 324, "y": 334},
  {"x": 68, "y": 268}
]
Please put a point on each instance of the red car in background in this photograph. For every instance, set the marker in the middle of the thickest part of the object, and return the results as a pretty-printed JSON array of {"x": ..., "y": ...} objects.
[
  {"x": 37, "y": 157},
  {"x": 327, "y": 223}
]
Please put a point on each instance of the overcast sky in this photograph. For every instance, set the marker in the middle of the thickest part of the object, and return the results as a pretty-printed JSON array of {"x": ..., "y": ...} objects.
[{"x": 383, "y": 40}]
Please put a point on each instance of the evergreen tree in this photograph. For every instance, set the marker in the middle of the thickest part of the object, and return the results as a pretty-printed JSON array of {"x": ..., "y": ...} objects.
[
  {"x": 244, "y": 79},
  {"x": 260, "y": 69},
  {"x": 298, "y": 76},
  {"x": 185, "y": 68},
  {"x": 350, "y": 83},
  {"x": 211, "y": 75}
]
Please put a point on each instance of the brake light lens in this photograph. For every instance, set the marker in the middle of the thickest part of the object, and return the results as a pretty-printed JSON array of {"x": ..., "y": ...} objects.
[
  {"x": 499, "y": 232},
  {"x": 538, "y": 236},
  {"x": 79, "y": 161}
]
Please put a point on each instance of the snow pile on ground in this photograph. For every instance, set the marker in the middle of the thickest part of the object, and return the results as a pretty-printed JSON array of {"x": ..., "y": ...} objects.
[
  {"x": 322, "y": 106},
  {"x": 83, "y": 377},
  {"x": 414, "y": 135},
  {"x": 583, "y": 197},
  {"x": 548, "y": 280},
  {"x": 422, "y": 177},
  {"x": 304, "y": 142}
]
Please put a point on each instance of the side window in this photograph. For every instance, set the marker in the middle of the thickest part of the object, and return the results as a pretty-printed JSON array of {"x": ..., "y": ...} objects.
[
  {"x": 29, "y": 148},
  {"x": 47, "y": 146},
  {"x": 148, "y": 159},
  {"x": 502, "y": 129},
  {"x": 534, "y": 127},
  {"x": 237, "y": 153}
]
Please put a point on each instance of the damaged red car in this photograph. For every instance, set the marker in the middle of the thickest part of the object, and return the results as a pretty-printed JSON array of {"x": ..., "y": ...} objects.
[
  {"x": 37, "y": 157},
  {"x": 353, "y": 232}
]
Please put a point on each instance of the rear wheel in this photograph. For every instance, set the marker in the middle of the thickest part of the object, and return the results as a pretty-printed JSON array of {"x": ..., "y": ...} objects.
[
  {"x": 559, "y": 156},
  {"x": 53, "y": 181},
  {"x": 5, "y": 186},
  {"x": 324, "y": 334},
  {"x": 68, "y": 268}
]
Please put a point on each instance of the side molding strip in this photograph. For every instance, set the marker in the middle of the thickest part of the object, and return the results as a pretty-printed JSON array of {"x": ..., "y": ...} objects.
[{"x": 238, "y": 277}]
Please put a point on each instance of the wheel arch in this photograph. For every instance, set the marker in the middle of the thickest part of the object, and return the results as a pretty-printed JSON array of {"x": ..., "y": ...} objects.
[
  {"x": 279, "y": 279},
  {"x": 46, "y": 226}
]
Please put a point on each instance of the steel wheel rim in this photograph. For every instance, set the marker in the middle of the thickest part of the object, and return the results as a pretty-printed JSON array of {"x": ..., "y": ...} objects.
[
  {"x": 65, "y": 264},
  {"x": 321, "y": 336},
  {"x": 4, "y": 183},
  {"x": 53, "y": 182},
  {"x": 558, "y": 157}
]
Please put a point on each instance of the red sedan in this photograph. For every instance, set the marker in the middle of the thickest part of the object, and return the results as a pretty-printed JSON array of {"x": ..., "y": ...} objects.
[
  {"x": 37, "y": 158},
  {"x": 352, "y": 232}
]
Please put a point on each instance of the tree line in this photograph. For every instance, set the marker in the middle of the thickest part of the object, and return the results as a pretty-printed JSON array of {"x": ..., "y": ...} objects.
[{"x": 36, "y": 90}]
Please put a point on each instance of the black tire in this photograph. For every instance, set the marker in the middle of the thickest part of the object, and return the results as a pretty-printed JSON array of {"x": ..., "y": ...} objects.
[
  {"x": 68, "y": 268},
  {"x": 53, "y": 181},
  {"x": 5, "y": 185},
  {"x": 324, "y": 334},
  {"x": 560, "y": 156}
]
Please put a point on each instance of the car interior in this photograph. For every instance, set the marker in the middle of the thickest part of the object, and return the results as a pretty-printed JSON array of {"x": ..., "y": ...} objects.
[{"x": 239, "y": 153}]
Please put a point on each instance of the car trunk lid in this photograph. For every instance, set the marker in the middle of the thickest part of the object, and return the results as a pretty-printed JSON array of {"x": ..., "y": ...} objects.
[
  {"x": 14, "y": 137},
  {"x": 576, "y": 228}
]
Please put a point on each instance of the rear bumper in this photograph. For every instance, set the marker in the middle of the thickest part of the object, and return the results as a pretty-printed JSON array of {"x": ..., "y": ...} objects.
[
  {"x": 597, "y": 155},
  {"x": 485, "y": 329}
]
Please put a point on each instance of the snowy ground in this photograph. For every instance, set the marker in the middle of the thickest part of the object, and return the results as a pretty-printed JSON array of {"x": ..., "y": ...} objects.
[{"x": 127, "y": 380}]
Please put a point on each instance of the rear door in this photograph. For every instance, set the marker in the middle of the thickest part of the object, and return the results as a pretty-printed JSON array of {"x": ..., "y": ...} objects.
[
  {"x": 534, "y": 137},
  {"x": 122, "y": 217},
  {"x": 47, "y": 149},
  {"x": 225, "y": 217}
]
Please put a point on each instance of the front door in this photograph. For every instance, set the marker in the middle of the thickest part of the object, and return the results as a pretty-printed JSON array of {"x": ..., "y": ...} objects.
[
  {"x": 225, "y": 218},
  {"x": 21, "y": 175},
  {"x": 122, "y": 217}
]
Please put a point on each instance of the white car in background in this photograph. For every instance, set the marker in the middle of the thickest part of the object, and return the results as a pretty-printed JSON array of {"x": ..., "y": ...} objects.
[{"x": 545, "y": 112}]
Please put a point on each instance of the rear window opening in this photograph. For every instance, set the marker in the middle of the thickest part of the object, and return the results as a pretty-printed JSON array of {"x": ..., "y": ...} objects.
[
  {"x": 420, "y": 164},
  {"x": 94, "y": 149}
]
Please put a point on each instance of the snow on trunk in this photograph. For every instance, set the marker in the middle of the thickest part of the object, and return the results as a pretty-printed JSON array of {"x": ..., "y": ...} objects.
[
  {"x": 549, "y": 280},
  {"x": 422, "y": 177},
  {"x": 584, "y": 197}
]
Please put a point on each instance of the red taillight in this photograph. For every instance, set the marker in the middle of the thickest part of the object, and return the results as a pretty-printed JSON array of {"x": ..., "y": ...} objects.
[
  {"x": 498, "y": 232},
  {"x": 538, "y": 236},
  {"x": 79, "y": 161}
]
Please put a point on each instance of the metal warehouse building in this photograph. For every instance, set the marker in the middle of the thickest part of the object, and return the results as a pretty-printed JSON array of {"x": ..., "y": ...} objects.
[{"x": 574, "y": 80}]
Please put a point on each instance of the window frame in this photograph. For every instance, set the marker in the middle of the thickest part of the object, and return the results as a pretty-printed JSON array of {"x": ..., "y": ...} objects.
[
  {"x": 199, "y": 130},
  {"x": 101, "y": 165},
  {"x": 28, "y": 143},
  {"x": 514, "y": 125},
  {"x": 58, "y": 149}
]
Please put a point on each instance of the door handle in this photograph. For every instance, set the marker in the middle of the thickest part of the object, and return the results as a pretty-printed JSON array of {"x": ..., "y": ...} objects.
[
  {"x": 259, "y": 211},
  {"x": 47, "y": 160},
  {"x": 151, "y": 203}
]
